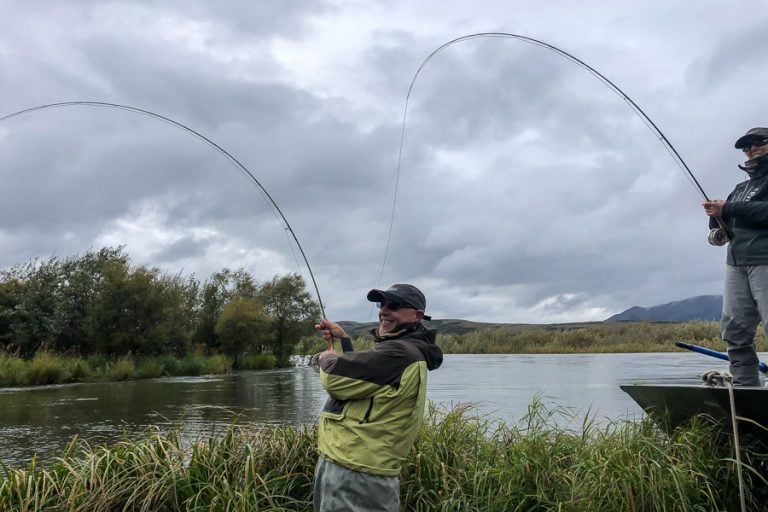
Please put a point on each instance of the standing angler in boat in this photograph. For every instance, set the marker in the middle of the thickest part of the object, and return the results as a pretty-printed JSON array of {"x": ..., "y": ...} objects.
[
  {"x": 745, "y": 298},
  {"x": 375, "y": 405}
]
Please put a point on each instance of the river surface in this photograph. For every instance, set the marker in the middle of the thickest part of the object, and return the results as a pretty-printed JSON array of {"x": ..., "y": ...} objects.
[{"x": 43, "y": 420}]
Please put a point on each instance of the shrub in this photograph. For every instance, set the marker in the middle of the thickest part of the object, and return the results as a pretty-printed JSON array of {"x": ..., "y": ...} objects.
[
  {"x": 193, "y": 364},
  {"x": 258, "y": 362},
  {"x": 172, "y": 366},
  {"x": 79, "y": 371},
  {"x": 12, "y": 370},
  {"x": 218, "y": 364},
  {"x": 45, "y": 368},
  {"x": 122, "y": 369},
  {"x": 150, "y": 368}
]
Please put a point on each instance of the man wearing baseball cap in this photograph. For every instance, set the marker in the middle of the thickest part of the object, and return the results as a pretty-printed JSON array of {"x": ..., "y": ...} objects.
[
  {"x": 375, "y": 404},
  {"x": 744, "y": 217}
]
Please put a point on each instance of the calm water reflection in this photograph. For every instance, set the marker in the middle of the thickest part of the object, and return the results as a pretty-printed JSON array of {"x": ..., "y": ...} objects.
[{"x": 44, "y": 420}]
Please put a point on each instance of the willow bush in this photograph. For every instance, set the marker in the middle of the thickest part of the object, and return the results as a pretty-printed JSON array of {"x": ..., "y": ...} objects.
[
  {"x": 460, "y": 462},
  {"x": 593, "y": 337},
  {"x": 610, "y": 337},
  {"x": 48, "y": 368}
]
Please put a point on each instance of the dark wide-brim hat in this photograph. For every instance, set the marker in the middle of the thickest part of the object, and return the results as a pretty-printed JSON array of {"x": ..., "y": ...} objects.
[
  {"x": 402, "y": 294},
  {"x": 753, "y": 135}
]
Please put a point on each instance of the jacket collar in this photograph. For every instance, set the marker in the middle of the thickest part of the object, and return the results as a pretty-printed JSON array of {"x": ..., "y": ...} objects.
[
  {"x": 416, "y": 329},
  {"x": 760, "y": 169}
]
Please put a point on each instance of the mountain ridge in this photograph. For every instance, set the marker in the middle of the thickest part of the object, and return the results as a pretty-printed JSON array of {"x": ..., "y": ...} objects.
[{"x": 701, "y": 307}]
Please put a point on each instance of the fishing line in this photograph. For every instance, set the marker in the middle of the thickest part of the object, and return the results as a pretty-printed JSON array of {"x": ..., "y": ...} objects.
[
  {"x": 234, "y": 161},
  {"x": 613, "y": 87}
]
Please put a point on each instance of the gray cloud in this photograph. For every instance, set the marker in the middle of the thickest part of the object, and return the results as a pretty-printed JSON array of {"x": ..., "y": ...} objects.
[{"x": 528, "y": 192}]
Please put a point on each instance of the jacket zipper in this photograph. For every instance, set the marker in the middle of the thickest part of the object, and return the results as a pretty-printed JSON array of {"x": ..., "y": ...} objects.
[{"x": 367, "y": 416}]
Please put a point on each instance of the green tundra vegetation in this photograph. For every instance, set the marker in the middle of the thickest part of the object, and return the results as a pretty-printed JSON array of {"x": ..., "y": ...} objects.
[
  {"x": 592, "y": 337},
  {"x": 98, "y": 317},
  {"x": 461, "y": 337},
  {"x": 460, "y": 462}
]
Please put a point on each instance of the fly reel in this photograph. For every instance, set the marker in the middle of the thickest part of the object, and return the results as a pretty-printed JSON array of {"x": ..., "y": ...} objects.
[{"x": 718, "y": 237}]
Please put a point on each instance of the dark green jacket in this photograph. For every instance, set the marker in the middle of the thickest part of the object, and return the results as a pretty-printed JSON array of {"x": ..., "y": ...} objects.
[
  {"x": 376, "y": 401},
  {"x": 746, "y": 216}
]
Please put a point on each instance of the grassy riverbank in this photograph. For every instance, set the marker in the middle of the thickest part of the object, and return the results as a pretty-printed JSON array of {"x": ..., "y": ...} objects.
[
  {"x": 50, "y": 368},
  {"x": 460, "y": 337},
  {"x": 459, "y": 463},
  {"x": 47, "y": 368},
  {"x": 601, "y": 337}
]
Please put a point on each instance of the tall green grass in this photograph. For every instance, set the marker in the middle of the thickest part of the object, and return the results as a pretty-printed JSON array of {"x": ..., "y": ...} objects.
[
  {"x": 595, "y": 337},
  {"x": 48, "y": 368},
  {"x": 258, "y": 362},
  {"x": 44, "y": 368},
  {"x": 460, "y": 462},
  {"x": 608, "y": 337},
  {"x": 469, "y": 464}
]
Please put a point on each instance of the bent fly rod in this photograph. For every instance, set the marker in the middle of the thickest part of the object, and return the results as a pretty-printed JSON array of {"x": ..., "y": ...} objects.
[
  {"x": 242, "y": 168},
  {"x": 716, "y": 236}
]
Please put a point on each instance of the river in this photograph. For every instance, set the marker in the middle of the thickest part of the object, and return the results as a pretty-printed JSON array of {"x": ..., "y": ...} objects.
[{"x": 43, "y": 420}]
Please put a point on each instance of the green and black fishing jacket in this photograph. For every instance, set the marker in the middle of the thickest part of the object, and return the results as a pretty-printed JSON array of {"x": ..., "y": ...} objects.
[
  {"x": 746, "y": 217},
  {"x": 376, "y": 400}
]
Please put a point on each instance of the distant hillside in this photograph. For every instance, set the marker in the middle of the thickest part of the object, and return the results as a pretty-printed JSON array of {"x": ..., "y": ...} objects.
[
  {"x": 453, "y": 326},
  {"x": 447, "y": 326},
  {"x": 703, "y": 307}
]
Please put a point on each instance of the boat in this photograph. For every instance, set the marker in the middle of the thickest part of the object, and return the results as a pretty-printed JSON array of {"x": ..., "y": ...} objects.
[{"x": 673, "y": 405}]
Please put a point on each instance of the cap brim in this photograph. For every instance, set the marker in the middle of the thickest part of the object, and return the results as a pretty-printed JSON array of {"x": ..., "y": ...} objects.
[
  {"x": 742, "y": 142},
  {"x": 382, "y": 296},
  {"x": 378, "y": 296}
]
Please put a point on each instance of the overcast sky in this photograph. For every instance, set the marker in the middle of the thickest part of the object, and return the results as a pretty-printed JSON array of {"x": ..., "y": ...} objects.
[{"x": 528, "y": 191}]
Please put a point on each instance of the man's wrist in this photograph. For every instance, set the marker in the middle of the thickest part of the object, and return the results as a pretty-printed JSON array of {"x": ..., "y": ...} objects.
[{"x": 327, "y": 359}]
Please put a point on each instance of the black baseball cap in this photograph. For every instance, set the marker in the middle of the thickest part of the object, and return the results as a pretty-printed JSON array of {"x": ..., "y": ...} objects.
[
  {"x": 751, "y": 136},
  {"x": 403, "y": 294}
]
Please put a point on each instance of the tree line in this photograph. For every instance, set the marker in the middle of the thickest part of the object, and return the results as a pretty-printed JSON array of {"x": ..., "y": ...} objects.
[{"x": 98, "y": 303}]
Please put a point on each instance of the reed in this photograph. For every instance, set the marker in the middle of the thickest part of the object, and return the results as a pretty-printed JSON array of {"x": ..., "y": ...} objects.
[
  {"x": 49, "y": 368},
  {"x": 258, "y": 362},
  {"x": 44, "y": 368},
  {"x": 460, "y": 462},
  {"x": 601, "y": 337},
  {"x": 261, "y": 469},
  {"x": 471, "y": 464}
]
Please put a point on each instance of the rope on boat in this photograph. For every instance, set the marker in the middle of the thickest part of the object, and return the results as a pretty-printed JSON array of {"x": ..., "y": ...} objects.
[{"x": 716, "y": 378}]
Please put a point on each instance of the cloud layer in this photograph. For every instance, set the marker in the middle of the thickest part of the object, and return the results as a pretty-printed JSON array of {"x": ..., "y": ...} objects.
[{"x": 527, "y": 191}]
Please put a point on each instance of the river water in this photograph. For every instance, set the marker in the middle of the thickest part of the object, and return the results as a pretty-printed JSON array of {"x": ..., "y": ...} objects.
[{"x": 43, "y": 420}]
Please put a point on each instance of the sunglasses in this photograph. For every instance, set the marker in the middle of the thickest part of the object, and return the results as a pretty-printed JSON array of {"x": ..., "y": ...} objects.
[
  {"x": 394, "y": 306},
  {"x": 758, "y": 143}
]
